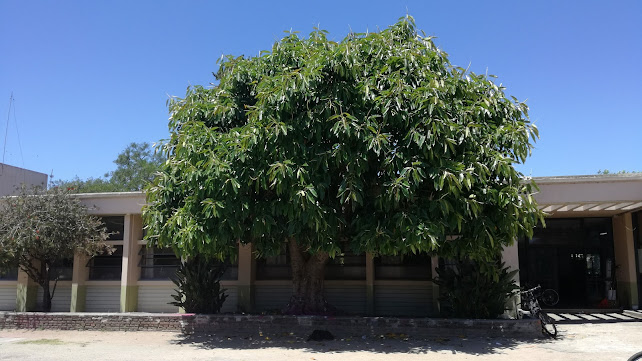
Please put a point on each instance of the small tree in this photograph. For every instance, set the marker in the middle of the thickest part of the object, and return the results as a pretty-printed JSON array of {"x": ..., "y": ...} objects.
[
  {"x": 41, "y": 228},
  {"x": 375, "y": 143}
]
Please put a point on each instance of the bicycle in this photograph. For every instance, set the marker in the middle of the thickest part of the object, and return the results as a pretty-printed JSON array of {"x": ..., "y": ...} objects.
[
  {"x": 529, "y": 299},
  {"x": 549, "y": 297}
]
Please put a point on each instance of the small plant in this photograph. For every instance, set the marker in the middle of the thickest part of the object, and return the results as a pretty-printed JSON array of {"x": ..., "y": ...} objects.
[
  {"x": 473, "y": 289},
  {"x": 199, "y": 288}
]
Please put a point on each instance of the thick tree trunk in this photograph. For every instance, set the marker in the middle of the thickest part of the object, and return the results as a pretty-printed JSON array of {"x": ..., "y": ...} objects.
[{"x": 308, "y": 272}]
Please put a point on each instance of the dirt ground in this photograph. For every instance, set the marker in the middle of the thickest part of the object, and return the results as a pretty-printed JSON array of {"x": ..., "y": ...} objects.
[{"x": 605, "y": 341}]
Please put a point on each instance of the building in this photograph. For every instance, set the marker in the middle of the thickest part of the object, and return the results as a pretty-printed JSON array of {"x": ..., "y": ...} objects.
[
  {"x": 12, "y": 177},
  {"x": 590, "y": 246}
]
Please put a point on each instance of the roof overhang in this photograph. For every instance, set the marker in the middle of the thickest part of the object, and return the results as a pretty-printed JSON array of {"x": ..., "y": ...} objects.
[{"x": 589, "y": 196}]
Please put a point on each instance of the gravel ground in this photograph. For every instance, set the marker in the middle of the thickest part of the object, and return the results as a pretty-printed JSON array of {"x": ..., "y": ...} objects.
[{"x": 606, "y": 341}]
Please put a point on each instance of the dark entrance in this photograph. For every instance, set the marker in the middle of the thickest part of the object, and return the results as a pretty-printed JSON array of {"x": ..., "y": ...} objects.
[
  {"x": 574, "y": 256},
  {"x": 637, "y": 239}
]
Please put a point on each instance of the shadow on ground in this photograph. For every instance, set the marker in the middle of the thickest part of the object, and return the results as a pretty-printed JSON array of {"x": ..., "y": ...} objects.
[{"x": 388, "y": 343}]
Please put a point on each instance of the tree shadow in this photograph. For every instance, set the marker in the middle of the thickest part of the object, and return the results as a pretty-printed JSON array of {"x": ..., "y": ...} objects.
[{"x": 386, "y": 344}]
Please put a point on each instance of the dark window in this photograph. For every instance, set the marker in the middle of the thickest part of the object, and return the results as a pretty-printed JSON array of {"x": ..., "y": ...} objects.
[
  {"x": 274, "y": 267},
  {"x": 62, "y": 270},
  {"x": 346, "y": 266},
  {"x": 116, "y": 226},
  {"x": 232, "y": 271},
  {"x": 106, "y": 266},
  {"x": 158, "y": 263},
  {"x": 406, "y": 267},
  {"x": 8, "y": 274}
]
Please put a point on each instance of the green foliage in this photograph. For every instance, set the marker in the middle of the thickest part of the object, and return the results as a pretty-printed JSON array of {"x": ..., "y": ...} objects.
[
  {"x": 90, "y": 185},
  {"x": 606, "y": 171},
  {"x": 136, "y": 167},
  {"x": 41, "y": 228},
  {"x": 376, "y": 140},
  {"x": 199, "y": 288},
  {"x": 474, "y": 289}
]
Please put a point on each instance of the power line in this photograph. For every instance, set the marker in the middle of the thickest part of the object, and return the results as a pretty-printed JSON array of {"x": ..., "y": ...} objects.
[
  {"x": 12, "y": 104},
  {"x": 22, "y": 157},
  {"x": 6, "y": 133}
]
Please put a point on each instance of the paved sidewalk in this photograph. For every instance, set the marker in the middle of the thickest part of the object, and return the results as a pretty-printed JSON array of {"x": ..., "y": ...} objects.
[
  {"x": 596, "y": 317},
  {"x": 610, "y": 341}
]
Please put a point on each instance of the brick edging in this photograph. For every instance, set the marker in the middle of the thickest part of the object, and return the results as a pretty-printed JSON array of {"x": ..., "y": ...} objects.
[{"x": 270, "y": 324}]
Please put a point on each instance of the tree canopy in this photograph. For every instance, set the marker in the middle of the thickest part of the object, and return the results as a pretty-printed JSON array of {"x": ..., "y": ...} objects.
[
  {"x": 376, "y": 143},
  {"x": 41, "y": 228},
  {"x": 136, "y": 167}
]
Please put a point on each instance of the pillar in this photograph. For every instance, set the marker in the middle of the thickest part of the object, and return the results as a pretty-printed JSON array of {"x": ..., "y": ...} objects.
[
  {"x": 624, "y": 246},
  {"x": 131, "y": 270},
  {"x": 246, "y": 277},
  {"x": 27, "y": 293},
  {"x": 79, "y": 277},
  {"x": 510, "y": 257},
  {"x": 370, "y": 278}
]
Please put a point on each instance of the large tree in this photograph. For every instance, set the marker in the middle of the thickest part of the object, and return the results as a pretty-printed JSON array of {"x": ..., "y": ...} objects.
[
  {"x": 376, "y": 142},
  {"x": 39, "y": 229}
]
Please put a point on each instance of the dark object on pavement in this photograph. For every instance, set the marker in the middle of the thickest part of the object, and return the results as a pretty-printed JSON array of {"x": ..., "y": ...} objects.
[{"x": 321, "y": 335}]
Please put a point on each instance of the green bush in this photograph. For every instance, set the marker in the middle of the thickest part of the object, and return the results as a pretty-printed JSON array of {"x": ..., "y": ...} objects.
[
  {"x": 474, "y": 289},
  {"x": 199, "y": 288}
]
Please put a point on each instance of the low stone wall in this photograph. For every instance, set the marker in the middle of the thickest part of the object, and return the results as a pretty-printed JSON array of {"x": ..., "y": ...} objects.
[{"x": 270, "y": 325}]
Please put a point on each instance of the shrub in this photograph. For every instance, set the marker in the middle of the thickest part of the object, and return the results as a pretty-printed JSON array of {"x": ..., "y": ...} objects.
[
  {"x": 199, "y": 288},
  {"x": 474, "y": 290}
]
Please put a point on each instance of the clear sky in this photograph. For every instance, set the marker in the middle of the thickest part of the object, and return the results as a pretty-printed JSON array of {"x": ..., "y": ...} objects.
[{"x": 89, "y": 77}]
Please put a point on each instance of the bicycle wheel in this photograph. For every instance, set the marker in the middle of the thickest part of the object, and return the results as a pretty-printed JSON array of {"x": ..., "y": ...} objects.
[
  {"x": 550, "y": 297},
  {"x": 636, "y": 357},
  {"x": 548, "y": 325}
]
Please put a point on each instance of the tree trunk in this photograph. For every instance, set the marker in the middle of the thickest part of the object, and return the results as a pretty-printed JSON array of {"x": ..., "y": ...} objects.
[
  {"x": 308, "y": 272},
  {"x": 44, "y": 283}
]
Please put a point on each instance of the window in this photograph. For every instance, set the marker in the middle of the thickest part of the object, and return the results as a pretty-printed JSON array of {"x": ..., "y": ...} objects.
[
  {"x": 106, "y": 266},
  {"x": 116, "y": 226},
  {"x": 157, "y": 263},
  {"x": 346, "y": 266},
  {"x": 8, "y": 274},
  {"x": 62, "y": 270},
  {"x": 275, "y": 267},
  {"x": 406, "y": 267}
]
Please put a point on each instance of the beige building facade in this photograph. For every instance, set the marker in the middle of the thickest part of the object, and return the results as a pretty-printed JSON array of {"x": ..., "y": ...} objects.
[
  {"x": 12, "y": 177},
  {"x": 599, "y": 250}
]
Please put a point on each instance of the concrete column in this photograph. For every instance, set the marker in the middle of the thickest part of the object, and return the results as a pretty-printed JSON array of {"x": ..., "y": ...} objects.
[
  {"x": 131, "y": 270},
  {"x": 246, "y": 277},
  {"x": 434, "y": 264},
  {"x": 370, "y": 278},
  {"x": 79, "y": 276},
  {"x": 627, "y": 286},
  {"x": 27, "y": 293},
  {"x": 510, "y": 257}
]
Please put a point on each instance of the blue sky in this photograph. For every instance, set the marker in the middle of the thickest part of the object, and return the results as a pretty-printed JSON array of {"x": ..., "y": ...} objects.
[{"x": 89, "y": 77}]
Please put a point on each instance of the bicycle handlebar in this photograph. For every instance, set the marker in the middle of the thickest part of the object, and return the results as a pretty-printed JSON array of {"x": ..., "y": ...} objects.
[{"x": 536, "y": 288}]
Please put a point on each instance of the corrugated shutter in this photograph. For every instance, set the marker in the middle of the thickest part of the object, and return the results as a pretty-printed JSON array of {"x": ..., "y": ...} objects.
[
  {"x": 232, "y": 300},
  {"x": 156, "y": 298},
  {"x": 61, "y": 301},
  {"x": 350, "y": 299},
  {"x": 103, "y": 299},
  {"x": 272, "y": 298},
  {"x": 403, "y": 301},
  {"x": 8, "y": 295}
]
